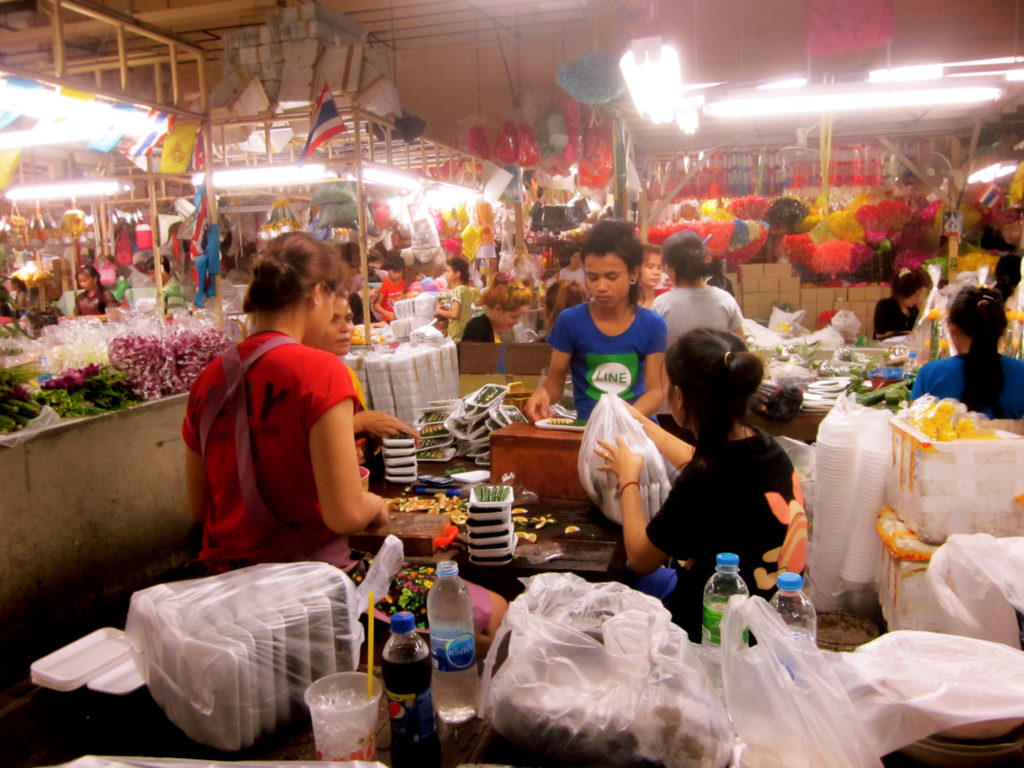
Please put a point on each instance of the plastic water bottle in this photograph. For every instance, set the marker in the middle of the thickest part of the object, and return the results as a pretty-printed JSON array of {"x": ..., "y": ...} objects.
[
  {"x": 452, "y": 645},
  {"x": 793, "y": 606},
  {"x": 910, "y": 367},
  {"x": 723, "y": 584},
  {"x": 406, "y": 671},
  {"x": 45, "y": 374}
]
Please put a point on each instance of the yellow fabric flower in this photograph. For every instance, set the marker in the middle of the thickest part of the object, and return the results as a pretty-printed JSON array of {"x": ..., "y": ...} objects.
[{"x": 844, "y": 225}]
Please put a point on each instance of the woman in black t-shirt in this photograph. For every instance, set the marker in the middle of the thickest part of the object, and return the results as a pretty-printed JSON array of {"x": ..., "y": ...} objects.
[
  {"x": 896, "y": 314},
  {"x": 736, "y": 491}
]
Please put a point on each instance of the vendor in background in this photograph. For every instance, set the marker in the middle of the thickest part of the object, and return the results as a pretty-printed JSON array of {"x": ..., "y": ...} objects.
[
  {"x": 370, "y": 426},
  {"x": 559, "y": 297},
  {"x": 93, "y": 299},
  {"x": 692, "y": 303},
  {"x": 896, "y": 314},
  {"x": 651, "y": 272},
  {"x": 736, "y": 490},
  {"x": 504, "y": 303},
  {"x": 17, "y": 298},
  {"x": 611, "y": 344},
  {"x": 716, "y": 277},
  {"x": 979, "y": 377},
  {"x": 174, "y": 295},
  {"x": 295, "y": 493},
  {"x": 392, "y": 288},
  {"x": 460, "y": 311},
  {"x": 573, "y": 270}
]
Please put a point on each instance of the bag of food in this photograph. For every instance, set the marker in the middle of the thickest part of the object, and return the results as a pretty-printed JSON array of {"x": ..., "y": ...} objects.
[
  {"x": 609, "y": 420},
  {"x": 786, "y": 702},
  {"x": 599, "y": 674}
]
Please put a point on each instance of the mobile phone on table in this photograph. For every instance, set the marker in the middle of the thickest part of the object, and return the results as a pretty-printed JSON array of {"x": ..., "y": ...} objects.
[{"x": 437, "y": 480}]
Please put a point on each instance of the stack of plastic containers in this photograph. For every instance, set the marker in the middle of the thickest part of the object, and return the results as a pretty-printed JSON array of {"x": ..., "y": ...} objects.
[
  {"x": 229, "y": 657},
  {"x": 400, "y": 465},
  {"x": 492, "y": 539}
]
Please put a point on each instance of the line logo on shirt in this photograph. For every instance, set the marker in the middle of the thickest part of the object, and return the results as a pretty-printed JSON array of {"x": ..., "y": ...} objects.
[{"x": 615, "y": 374}]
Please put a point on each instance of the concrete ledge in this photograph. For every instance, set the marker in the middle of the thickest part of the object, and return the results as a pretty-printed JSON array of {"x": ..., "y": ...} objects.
[{"x": 90, "y": 511}]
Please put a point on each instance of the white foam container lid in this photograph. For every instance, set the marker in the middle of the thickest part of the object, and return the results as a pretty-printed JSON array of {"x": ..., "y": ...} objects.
[{"x": 102, "y": 660}]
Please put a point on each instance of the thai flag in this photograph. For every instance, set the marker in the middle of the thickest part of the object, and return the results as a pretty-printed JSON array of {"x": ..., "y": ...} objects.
[
  {"x": 990, "y": 196},
  {"x": 199, "y": 152},
  {"x": 159, "y": 124},
  {"x": 326, "y": 123}
]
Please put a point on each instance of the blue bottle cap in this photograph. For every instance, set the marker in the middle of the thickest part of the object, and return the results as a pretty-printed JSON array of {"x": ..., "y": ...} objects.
[
  {"x": 790, "y": 582},
  {"x": 402, "y": 622},
  {"x": 447, "y": 568},
  {"x": 727, "y": 558}
]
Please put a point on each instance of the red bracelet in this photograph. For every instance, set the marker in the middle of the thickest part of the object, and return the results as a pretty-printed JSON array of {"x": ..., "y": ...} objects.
[{"x": 626, "y": 485}]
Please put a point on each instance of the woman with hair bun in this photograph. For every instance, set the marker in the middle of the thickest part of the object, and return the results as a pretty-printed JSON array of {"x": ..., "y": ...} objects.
[
  {"x": 504, "y": 304},
  {"x": 736, "y": 490},
  {"x": 271, "y": 466},
  {"x": 896, "y": 314},
  {"x": 978, "y": 376}
]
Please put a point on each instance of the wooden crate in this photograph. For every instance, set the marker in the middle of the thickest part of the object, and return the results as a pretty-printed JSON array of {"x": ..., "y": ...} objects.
[{"x": 542, "y": 460}]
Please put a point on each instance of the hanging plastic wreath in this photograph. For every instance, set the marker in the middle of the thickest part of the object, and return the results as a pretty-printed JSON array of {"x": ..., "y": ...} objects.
[
  {"x": 720, "y": 234},
  {"x": 506, "y": 146},
  {"x": 750, "y": 208},
  {"x": 832, "y": 257},
  {"x": 799, "y": 249},
  {"x": 883, "y": 220},
  {"x": 843, "y": 224}
]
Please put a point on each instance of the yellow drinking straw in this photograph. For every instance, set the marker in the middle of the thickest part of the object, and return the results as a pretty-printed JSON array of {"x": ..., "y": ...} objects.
[{"x": 369, "y": 649}]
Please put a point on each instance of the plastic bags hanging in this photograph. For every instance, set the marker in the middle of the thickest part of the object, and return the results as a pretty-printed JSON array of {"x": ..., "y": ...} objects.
[
  {"x": 598, "y": 673},
  {"x": 609, "y": 420},
  {"x": 786, "y": 702},
  {"x": 932, "y": 329}
]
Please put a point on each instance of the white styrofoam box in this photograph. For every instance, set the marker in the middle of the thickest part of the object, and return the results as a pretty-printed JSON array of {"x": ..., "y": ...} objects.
[
  {"x": 904, "y": 591},
  {"x": 341, "y": 66},
  {"x": 300, "y": 57},
  {"x": 960, "y": 486}
]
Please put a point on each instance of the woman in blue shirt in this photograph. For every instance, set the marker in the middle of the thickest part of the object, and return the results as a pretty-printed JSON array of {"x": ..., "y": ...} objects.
[
  {"x": 609, "y": 343},
  {"x": 978, "y": 376}
]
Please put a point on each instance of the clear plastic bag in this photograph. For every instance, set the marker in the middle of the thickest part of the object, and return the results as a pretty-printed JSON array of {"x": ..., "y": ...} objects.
[
  {"x": 847, "y": 323},
  {"x": 609, "y": 420},
  {"x": 598, "y": 673},
  {"x": 978, "y": 581},
  {"x": 786, "y": 702}
]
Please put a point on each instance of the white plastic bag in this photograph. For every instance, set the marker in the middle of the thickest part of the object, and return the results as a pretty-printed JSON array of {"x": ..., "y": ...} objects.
[
  {"x": 978, "y": 581},
  {"x": 906, "y": 685},
  {"x": 598, "y": 673},
  {"x": 609, "y": 420},
  {"x": 787, "y": 704},
  {"x": 787, "y": 324},
  {"x": 847, "y": 323}
]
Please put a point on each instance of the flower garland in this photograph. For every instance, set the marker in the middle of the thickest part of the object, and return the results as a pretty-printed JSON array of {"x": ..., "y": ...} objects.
[
  {"x": 752, "y": 207},
  {"x": 832, "y": 257},
  {"x": 844, "y": 225},
  {"x": 883, "y": 220},
  {"x": 799, "y": 249}
]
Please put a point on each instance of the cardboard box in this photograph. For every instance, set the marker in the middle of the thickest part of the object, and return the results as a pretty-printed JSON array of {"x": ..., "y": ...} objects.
[
  {"x": 778, "y": 270},
  {"x": 904, "y": 593},
  {"x": 751, "y": 271},
  {"x": 543, "y": 460},
  {"x": 751, "y": 285},
  {"x": 857, "y": 293},
  {"x": 960, "y": 486},
  {"x": 789, "y": 283},
  {"x": 769, "y": 285},
  {"x": 790, "y": 297}
]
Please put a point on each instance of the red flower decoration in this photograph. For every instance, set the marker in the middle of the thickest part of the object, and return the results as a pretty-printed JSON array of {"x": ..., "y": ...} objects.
[
  {"x": 799, "y": 249},
  {"x": 832, "y": 257},
  {"x": 749, "y": 208}
]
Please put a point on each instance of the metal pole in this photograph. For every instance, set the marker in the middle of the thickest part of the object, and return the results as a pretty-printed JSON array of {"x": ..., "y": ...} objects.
[{"x": 364, "y": 267}]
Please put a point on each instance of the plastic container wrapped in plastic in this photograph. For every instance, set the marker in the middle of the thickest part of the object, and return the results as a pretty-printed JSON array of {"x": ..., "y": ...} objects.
[
  {"x": 598, "y": 673},
  {"x": 229, "y": 657}
]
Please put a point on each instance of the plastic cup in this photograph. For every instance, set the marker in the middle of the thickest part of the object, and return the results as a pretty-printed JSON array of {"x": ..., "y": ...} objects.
[
  {"x": 364, "y": 478},
  {"x": 344, "y": 719}
]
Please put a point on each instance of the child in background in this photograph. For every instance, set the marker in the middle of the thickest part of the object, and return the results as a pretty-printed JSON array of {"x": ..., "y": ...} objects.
[
  {"x": 650, "y": 274},
  {"x": 392, "y": 287},
  {"x": 460, "y": 311}
]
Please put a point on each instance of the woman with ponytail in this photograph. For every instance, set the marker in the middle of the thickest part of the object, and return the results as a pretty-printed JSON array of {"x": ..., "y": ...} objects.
[
  {"x": 736, "y": 490},
  {"x": 978, "y": 376},
  {"x": 610, "y": 343}
]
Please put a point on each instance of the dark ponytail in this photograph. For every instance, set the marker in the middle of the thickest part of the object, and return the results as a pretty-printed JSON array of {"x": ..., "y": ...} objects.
[
  {"x": 979, "y": 314},
  {"x": 288, "y": 270},
  {"x": 717, "y": 377}
]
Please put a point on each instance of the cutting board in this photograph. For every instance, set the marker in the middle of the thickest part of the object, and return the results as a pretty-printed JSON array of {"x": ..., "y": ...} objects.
[{"x": 416, "y": 530}]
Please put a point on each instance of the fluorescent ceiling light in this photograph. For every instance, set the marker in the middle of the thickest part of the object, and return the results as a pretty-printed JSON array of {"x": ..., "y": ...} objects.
[
  {"x": 906, "y": 74},
  {"x": 266, "y": 177},
  {"x": 791, "y": 82},
  {"x": 653, "y": 77},
  {"x": 64, "y": 191},
  {"x": 991, "y": 173},
  {"x": 987, "y": 62},
  {"x": 389, "y": 178},
  {"x": 64, "y": 132},
  {"x": 838, "y": 100},
  {"x": 1015, "y": 75}
]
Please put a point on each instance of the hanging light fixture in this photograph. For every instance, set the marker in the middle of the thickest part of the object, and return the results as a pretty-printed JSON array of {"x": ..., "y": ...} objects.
[
  {"x": 66, "y": 191},
  {"x": 654, "y": 78},
  {"x": 266, "y": 176}
]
